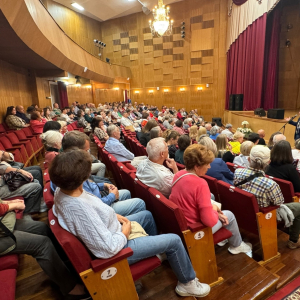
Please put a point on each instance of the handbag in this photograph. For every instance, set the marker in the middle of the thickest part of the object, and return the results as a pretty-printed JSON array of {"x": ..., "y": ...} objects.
[
  {"x": 136, "y": 231},
  {"x": 15, "y": 179},
  {"x": 17, "y": 165},
  {"x": 8, "y": 240}
]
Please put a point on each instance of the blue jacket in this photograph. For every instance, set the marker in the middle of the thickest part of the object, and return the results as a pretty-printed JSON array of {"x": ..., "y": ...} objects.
[
  {"x": 297, "y": 130},
  {"x": 219, "y": 170}
]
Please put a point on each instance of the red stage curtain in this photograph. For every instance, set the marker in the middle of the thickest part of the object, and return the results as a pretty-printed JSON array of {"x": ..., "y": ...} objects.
[
  {"x": 271, "y": 65},
  {"x": 245, "y": 64},
  {"x": 239, "y": 2},
  {"x": 63, "y": 94}
]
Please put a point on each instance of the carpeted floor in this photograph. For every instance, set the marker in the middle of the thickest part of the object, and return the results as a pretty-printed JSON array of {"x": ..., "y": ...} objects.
[{"x": 290, "y": 292}]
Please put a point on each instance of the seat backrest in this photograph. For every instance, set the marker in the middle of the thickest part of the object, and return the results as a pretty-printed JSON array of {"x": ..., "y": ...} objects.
[
  {"x": 180, "y": 166},
  {"x": 116, "y": 171},
  {"x": 47, "y": 195},
  {"x": 130, "y": 167},
  {"x": 142, "y": 150},
  {"x": 27, "y": 131},
  {"x": 2, "y": 129},
  {"x": 128, "y": 181},
  {"x": 286, "y": 187},
  {"x": 241, "y": 203},
  {"x": 232, "y": 167},
  {"x": 70, "y": 127},
  {"x": 168, "y": 216},
  {"x": 106, "y": 160},
  {"x": 75, "y": 250},
  {"x": 213, "y": 186},
  {"x": 141, "y": 191},
  {"x": 46, "y": 175}
]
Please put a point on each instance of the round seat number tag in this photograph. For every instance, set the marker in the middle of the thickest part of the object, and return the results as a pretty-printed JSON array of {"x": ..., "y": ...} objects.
[
  {"x": 108, "y": 273},
  {"x": 268, "y": 216},
  {"x": 199, "y": 235}
]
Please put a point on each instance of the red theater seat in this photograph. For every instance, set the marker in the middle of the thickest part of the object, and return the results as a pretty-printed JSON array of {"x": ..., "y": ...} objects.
[{"x": 8, "y": 284}]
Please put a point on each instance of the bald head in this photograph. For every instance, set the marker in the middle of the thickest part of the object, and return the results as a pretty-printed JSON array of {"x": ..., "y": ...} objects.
[
  {"x": 261, "y": 133},
  {"x": 278, "y": 137},
  {"x": 20, "y": 108}
]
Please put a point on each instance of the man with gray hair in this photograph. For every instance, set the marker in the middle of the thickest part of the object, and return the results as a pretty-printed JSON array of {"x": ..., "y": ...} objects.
[
  {"x": 278, "y": 137},
  {"x": 115, "y": 147},
  {"x": 228, "y": 131},
  {"x": 152, "y": 172}
]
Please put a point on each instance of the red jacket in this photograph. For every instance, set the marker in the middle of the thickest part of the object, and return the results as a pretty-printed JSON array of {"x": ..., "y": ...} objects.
[{"x": 37, "y": 125}]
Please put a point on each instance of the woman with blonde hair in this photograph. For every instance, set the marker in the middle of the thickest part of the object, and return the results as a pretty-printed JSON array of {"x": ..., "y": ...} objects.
[
  {"x": 238, "y": 138},
  {"x": 242, "y": 159},
  {"x": 193, "y": 133},
  {"x": 171, "y": 138},
  {"x": 218, "y": 168},
  {"x": 201, "y": 131},
  {"x": 224, "y": 148}
]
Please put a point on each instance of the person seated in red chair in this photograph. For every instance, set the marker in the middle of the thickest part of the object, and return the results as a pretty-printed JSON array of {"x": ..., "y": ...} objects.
[
  {"x": 13, "y": 121},
  {"x": 36, "y": 239},
  {"x": 37, "y": 122},
  {"x": 195, "y": 201},
  {"x": 106, "y": 233},
  {"x": 267, "y": 191}
]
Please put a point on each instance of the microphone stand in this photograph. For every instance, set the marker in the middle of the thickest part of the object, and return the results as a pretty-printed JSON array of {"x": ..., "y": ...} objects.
[{"x": 283, "y": 127}]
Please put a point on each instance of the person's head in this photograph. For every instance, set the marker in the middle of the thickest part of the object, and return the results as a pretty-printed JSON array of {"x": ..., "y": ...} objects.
[
  {"x": 179, "y": 123},
  {"x": 278, "y": 137},
  {"x": 246, "y": 148},
  {"x": 34, "y": 105},
  {"x": 64, "y": 110},
  {"x": 297, "y": 144},
  {"x": 221, "y": 142},
  {"x": 183, "y": 142},
  {"x": 145, "y": 115},
  {"x": 259, "y": 157},
  {"x": 208, "y": 126},
  {"x": 87, "y": 111},
  {"x": 253, "y": 137},
  {"x": 171, "y": 136},
  {"x": 55, "y": 105},
  {"x": 171, "y": 121},
  {"x": 46, "y": 111},
  {"x": 30, "y": 109},
  {"x": 270, "y": 142},
  {"x": 193, "y": 132},
  {"x": 52, "y": 139},
  {"x": 11, "y": 110},
  {"x": 70, "y": 169},
  {"x": 201, "y": 131},
  {"x": 76, "y": 139},
  {"x": 113, "y": 131},
  {"x": 229, "y": 127},
  {"x": 209, "y": 143},
  {"x": 238, "y": 137},
  {"x": 40, "y": 110},
  {"x": 125, "y": 114},
  {"x": 281, "y": 153},
  {"x": 35, "y": 115},
  {"x": 150, "y": 124},
  {"x": 155, "y": 132},
  {"x": 51, "y": 125},
  {"x": 96, "y": 122},
  {"x": 261, "y": 133},
  {"x": 157, "y": 150},
  {"x": 63, "y": 125},
  {"x": 214, "y": 130},
  {"x": 80, "y": 113},
  {"x": 197, "y": 158},
  {"x": 20, "y": 109}
]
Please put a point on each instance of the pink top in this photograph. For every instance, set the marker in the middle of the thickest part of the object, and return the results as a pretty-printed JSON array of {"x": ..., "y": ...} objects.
[
  {"x": 191, "y": 193},
  {"x": 37, "y": 125},
  {"x": 49, "y": 156},
  {"x": 180, "y": 130}
]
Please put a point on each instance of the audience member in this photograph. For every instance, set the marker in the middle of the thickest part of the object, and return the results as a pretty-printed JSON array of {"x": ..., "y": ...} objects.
[
  {"x": 47, "y": 113},
  {"x": 64, "y": 114},
  {"x": 214, "y": 132},
  {"x": 208, "y": 128},
  {"x": 193, "y": 133},
  {"x": 243, "y": 159},
  {"x": 98, "y": 129},
  {"x": 105, "y": 233},
  {"x": 29, "y": 111},
  {"x": 87, "y": 116},
  {"x": 63, "y": 127},
  {"x": 270, "y": 142},
  {"x": 115, "y": 147},
  {"x": 296, "y": 152},
  {"x": 262, "y": 135},
  {"x": 144, "y": 136},
  {"x": 81, "y": 122},
  {"x": 51, "y": 125},
  {"x": 21, "y": 113},
  {"x": 202, "y": 131},
  {"x": 183, "y": 142},
  {"x": 155, "y": 132},
  {"x": 254, "y": 138},
  {"x": 238, "y": 138},
  {"x": 277, "y": 138},
  {"x": 171, "y": 138},
  {"x": 56, "y": 109},
  {"x": 267, "y": 191},
  {"x": 37, "y": 122},
  {"x": 195, "y": 202},
  {"x": 179, "y": 127},
  {"x": 281, "y": 165},
  {"x": 223, "y": 148},
  {"x": 218, "y": 168},
  {"x": 151, "y": 170},
  {"x": 228, "y": 131},
  {"x": 12, "y": 121}
]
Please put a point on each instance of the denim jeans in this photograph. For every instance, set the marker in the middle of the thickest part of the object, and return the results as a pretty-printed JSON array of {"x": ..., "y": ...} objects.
[
  {"x": 153, "y": 244},
  {"x": 236, "y": 239},
  {"x": 126, "y": 206},
  {"x": 36, "y": 172}
]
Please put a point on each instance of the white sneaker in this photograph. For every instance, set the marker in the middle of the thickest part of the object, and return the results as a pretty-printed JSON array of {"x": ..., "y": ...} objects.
[
  {"x": 43, "y": 206},
  {"x": 242, "y": 248},
  {"x": 223, "y": 243},
  {"x": 162, "y": 256},
  {"x": 192, "y": 288}
]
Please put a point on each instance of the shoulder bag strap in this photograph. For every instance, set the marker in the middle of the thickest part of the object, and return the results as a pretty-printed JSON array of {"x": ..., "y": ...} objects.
[
  {"x": 7, "y": 231},
  {"x": 250, "y": 178},
  {"x": 181, "y": 177}
]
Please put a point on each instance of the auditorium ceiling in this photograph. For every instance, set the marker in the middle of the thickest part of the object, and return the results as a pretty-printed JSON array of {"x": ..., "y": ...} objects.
[{"x": 103, "y": 10}]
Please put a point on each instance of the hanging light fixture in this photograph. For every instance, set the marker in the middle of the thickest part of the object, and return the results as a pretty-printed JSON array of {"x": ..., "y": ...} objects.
[{"x": 161, "y": 25}]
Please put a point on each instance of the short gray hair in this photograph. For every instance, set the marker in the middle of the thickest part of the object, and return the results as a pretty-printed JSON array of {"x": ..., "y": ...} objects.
[
  {"x": 208, "y": 142},
  {"x": 154, "y": 132},
  {"x": 51, "y": 138},
  {"x": 228, "y": 126},
  {"x": 246, "y": 148},
  {"x": 155, "y": 147},
  {"x": 214, "y": 130},
  {"x": 278, "y": 137},
  {"x": 110, "y": 130}
]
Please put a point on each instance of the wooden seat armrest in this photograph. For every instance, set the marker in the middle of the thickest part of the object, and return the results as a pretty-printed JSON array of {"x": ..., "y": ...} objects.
[
  {"x": 100, "y": 264},
  {"x": 13, "y": 148},
  {"x": 268, "y": 209},
  {"x": 196, "y": 227}
]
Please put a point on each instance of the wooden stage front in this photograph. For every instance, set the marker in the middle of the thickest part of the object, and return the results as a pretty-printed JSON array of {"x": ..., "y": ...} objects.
[{"x": 255, "y": 123}]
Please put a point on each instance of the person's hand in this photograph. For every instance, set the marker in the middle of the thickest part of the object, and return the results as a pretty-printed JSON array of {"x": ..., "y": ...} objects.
[
  {"x": 288, "y": 119},
  {"x": 27, "y": 174},
  {"x": 223, "y": 219},
  {"x": 215, "y": 207},
  {"x": 171, "y": 163},
  {"x": 229, "y": 146},
  {"x": 114, "y": 190},
  {"x": 126, "y": 228},
  {"x": 16, "y": 204},
  {"x": 122, "y": 219},
  {"x": 27, "y": 125}
]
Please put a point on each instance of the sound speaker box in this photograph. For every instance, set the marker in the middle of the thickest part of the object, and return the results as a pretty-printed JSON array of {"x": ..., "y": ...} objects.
[
  {"x": 232, "y": 102},
  {"x": 218, "y": 121},
  {"x": 275, "y": 113},
  {"x": 260, "y": 112},
  {"x": 239, "y": 102}
]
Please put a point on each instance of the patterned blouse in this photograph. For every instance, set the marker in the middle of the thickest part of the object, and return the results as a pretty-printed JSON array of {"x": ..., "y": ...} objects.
[
  {"x": 100, "y": 133},
  {"x": 14, "y": 122}
]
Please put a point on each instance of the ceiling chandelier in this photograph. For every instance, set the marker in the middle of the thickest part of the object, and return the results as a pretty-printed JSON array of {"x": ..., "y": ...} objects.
[{"x": 161, "y": 25}]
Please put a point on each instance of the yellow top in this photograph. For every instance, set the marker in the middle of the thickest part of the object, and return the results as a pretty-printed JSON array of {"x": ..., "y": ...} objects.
[{"x": 235, "y": 147}]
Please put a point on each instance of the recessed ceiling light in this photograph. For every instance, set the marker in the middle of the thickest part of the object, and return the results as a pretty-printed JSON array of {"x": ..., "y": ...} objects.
[{"x": 76, "y": 5}]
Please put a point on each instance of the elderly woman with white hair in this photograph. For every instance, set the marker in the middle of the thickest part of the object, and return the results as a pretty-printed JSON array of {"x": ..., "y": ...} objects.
[
  {"x": 214, "y": 132},
  {"x": 218, "y": 168},
  {"x": 52, "y": 143},
  {"x": 155, "y": 132},
  {"x": 242, "y": 159},
  {"x": 88, "y": 117}
]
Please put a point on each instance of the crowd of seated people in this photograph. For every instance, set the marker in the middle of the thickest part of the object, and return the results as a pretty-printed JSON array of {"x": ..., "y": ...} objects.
[{"x": 84, "y": 196}]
